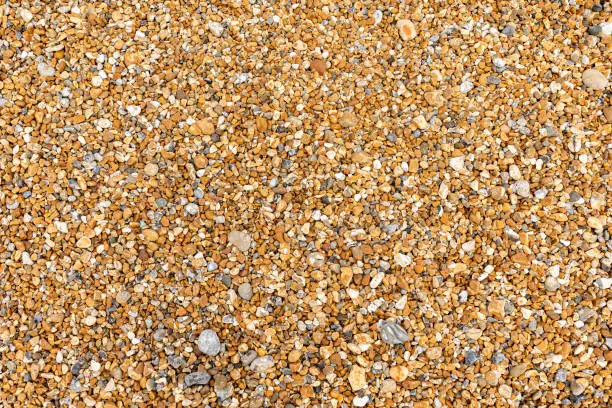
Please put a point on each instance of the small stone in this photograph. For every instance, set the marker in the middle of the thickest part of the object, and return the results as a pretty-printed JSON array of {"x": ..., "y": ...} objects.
[
  {"x": 496, "y": 308},
  {"x": 240, "y": 240},
  {"x": 357, "y": 378},
  {"x": 498, "y": 193},
  {"x": 348, "y": 120},
  {"x": 466, "y": 86},
  {"x": 151, "y": 169},
  {"x": 123, "y": 297},
  {"x": 261, "y": 364},
  {"x": 150, "y": 235},
  {"x": 192, "y": 209},
  {"x": 498, "y": 358},
  {"x": 197, "y": 378},
  {"x": 89, "y": 320},
  {"x": 25, "y": 15},
  {"x": 595, "y": 223},
  {"x": 435, "y": 98},
  {"x": 208, "y": 343},
  {"x": 603, "y": 283},
  {"x": 103, "y": 123},
  {"x": 222, "y": 387},
  {"x": 316, "y": 259},
  {"x": 83, "y": 242},
  {"x": 561, "y": 375},
  {"x": 551, "y": 284},
  {"x": 399, "y": 373},
  {"x": 607, "y": 111},
  {"x": 318, "y": 66},
  {"x": 593, "y": 79},
  {"x": 392, "y": 333},
  {"x": 407, "y": 30},
  {"x": 521, "y": 188},
  {"x": 133, "y": 110},
  {"x": 457, "y": 163},
  {"x": 388, "y": 386},
  {"x": 471, "y": 357},
  {"x": 508, "y": 31},
  {"x": 245, "y": 291},
  {"x": 594, "y": 30},
  {"x": 361, "y": 401},
  {"x": 45, "y": 70},
  {"x": 421, "y": 122},
  {"x": 402, "y": 259},
  {"x": 216, "y": 28},
  {"x": 517, "y": 370},
  {"x": 294, "y": 356},
  {"x": 576, "y": 387}
]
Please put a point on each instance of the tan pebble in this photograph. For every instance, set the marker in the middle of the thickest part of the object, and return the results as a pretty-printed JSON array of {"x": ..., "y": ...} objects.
[
  {"x": 505, "y": 391},
  {"x": 407, "y": 30},
  {"x": 388, "y": 386},
  {"x": 498, "y": 193},
  {"x": 434, "y": 353},
  {"x": 421, "y": 122},
  {"x": 294, "y": 355},
  {"x": 151, "y": 169},
  {"x": 346, "y": 276},
  {"x": 496, "y": 308},
  {"x": 595, "y": 222},
  {"x": 318, "y": 66},
  {"x": 83, "y": 242},
  {"x": 150, "y": 235},
  {"x": 593, "y": 79},
  {"x": 518, "y": 370},
  {"x": 348, "y": 120},
  {"x": 607, "y": 111},
  {"x": 399, "y": 373},
  {"x": 240, "y": 240},
  {"x": 357, "y": 378},
  {"x": 435, "y": 98}
]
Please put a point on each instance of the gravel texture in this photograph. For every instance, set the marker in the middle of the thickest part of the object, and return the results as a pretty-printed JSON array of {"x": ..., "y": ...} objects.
[{"x": 254, "y": 203}]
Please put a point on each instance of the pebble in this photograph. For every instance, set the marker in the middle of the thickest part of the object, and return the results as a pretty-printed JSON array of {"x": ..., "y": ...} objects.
[
  {"x": 245, "y": 290},
  {"x": 521, "y": 188},
  {"x": 399, "y": 373},
  {"x": 471, "y": 357},
  {"x": 361, "y": 401},
  {"x": 348, "y": 120},
  {"x": 45, "y": 70},
  {"x": 216, "y": 28},
  {"x": 261, "y": 364},
  {"x": 392, "y": 333},
  {"x": 208, "y": 343},
  {"x": 192, "y": 209},
  {"x": 197, "y": 378},
  {"x": 407, "y": 30},
  {"x": 357, "y": 378},
  {"x": 240, "y": 240},
  {"x": 593, "y": 79},
  {"x": 318, "y": 66},
  {"x": 151, "y": 169}
]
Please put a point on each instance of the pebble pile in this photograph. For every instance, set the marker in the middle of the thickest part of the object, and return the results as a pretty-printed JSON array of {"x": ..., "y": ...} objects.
[{"x": 255, "y": 203}]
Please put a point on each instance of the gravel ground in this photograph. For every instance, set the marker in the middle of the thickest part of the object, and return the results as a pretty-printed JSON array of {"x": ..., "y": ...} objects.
[{"x": 250, "y": 203}]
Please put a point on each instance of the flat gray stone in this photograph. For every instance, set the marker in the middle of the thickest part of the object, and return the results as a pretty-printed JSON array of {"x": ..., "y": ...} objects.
[
  {"x": 197, "y": 378},
  {"x": 208, "y": 343},
  {"x": 392, "y": 333}
]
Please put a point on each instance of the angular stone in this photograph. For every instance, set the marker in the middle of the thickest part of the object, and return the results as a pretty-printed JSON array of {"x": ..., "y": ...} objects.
[
  {"x": 197, "y": 378},
  {"x": 392, "y": 333},
  {"x": 261, "y": 364}
]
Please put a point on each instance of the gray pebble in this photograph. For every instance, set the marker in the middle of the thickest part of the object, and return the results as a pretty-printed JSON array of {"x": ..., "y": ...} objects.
[
  {"x": 176, "y": 361},
  {"x": 245, "y": 290},
  {"x": 212, "y": 266},
  {"x": 595, "y": 30},
  {"x": 223, "y": 388},
  {"x": 208, "y": 343},
  {"x": 261, "y": 364},
  {"x": 471, "y": 357},
  {"x": 227, "y": 280},
  {"x": 247, "y": 358},
  {"x": 197, "y": 378},
  {"x": 508, "y": 30},
  {"x": 498, "y": 358},
  {"x": 392, "y": 333},
  {"x": 561, "y": 375},
  {"x": 493, "y": 80}
]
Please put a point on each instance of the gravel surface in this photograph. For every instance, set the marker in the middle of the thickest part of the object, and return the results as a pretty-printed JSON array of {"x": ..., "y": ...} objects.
[{"x": 252, "y": 203}]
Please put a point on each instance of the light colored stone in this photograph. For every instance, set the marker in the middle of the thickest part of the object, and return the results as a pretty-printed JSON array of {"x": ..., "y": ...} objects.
[
  {"x": 407, "y": 30},
  {"x": 357, "y": 378},
  {"x": 593, "y": 79},
  {"x": 240, "y": 240},
  {"x": 208, "y": 343}
]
